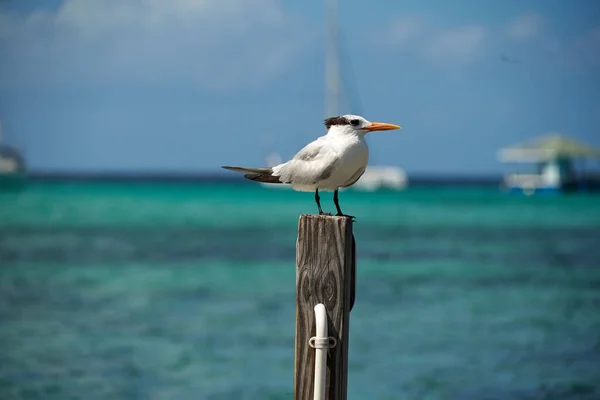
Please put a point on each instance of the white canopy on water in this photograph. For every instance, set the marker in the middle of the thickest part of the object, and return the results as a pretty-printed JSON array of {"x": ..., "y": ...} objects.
[{"x": 545, "y": 148}]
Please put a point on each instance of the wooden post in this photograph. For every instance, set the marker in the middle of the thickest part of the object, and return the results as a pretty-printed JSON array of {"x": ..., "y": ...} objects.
[{"x": 325, "y": 262}]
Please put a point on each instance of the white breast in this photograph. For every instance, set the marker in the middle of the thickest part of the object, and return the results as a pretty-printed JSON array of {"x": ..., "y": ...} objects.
[{"x": 353, "y": 157}]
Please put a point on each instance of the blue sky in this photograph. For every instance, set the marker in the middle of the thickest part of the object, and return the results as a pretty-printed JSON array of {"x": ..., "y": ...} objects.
[{"x": 189, "y": 85}]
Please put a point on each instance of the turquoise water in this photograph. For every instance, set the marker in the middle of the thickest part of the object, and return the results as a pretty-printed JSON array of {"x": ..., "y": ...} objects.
[{"x": 186, "y": 291}]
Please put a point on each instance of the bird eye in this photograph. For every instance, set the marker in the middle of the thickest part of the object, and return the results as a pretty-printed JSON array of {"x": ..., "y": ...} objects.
[{"x": 354, "y": 122}]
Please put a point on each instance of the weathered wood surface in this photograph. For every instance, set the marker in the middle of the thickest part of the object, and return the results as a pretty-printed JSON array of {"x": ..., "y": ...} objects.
[{"x": 325, "y": 261}]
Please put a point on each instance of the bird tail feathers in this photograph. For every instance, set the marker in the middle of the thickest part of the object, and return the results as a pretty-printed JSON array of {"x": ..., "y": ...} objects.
[{"x": 256, "y": 174}]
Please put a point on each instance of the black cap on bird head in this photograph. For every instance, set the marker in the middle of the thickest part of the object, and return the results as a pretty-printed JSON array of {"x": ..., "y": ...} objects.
[
  {"x": 329, "y": 122},
  {"x": 358, "y": 123}
]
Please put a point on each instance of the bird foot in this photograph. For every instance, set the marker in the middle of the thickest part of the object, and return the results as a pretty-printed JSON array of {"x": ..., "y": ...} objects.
[
  {"x": 352, "y": 217},
  {"x": 324, "y": 213}
]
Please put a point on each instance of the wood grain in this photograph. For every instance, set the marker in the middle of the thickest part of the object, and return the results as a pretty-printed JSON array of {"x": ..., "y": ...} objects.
[{"x": 325, "y": 259}]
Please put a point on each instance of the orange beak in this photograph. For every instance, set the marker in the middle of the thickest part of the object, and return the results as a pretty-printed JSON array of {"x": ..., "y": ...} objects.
[{"x": 380, "y": 126}]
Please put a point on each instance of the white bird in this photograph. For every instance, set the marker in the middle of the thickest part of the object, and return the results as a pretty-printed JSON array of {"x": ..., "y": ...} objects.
[{"x": 336, "y": 160}]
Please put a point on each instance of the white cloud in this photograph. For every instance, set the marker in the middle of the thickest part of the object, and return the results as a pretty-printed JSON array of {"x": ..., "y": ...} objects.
[
  {"x": 530, "y": 35},
  {"x": 526, "y": 37},
  {"x": 459, "y": 45},
  {"x": 526, "y": 26},
  {"x": 585, "y": 51},
  {"x": 210, "y": 43},
  {"x": 406, "y": 29},
  {"x": 419, "y": 37}
]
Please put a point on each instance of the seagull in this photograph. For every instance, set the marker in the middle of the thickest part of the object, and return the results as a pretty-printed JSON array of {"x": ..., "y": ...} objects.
[{"x": 333, "y": 161}]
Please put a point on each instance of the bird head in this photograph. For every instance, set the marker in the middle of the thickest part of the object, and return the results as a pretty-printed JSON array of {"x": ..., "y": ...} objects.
[{"x": 355, "y": 124}]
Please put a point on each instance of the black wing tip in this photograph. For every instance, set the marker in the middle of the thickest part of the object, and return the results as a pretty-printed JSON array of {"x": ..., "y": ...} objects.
[{"x": 263, "y": 178}]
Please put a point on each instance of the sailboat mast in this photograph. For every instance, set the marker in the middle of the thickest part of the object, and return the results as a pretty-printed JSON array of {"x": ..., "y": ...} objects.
[{"x": 332, "y": 60}]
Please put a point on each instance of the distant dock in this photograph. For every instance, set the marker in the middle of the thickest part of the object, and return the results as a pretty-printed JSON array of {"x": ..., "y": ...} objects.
[{"x": 555, "y": 159}]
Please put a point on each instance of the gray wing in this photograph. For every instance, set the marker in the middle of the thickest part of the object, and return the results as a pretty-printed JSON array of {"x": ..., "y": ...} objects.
[
  {"x": 314, "y": 163},
  {"x": 355, "y": 177}
]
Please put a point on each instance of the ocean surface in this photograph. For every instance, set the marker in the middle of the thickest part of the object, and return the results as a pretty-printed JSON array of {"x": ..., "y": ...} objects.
[{"x": 187, "y": 291}]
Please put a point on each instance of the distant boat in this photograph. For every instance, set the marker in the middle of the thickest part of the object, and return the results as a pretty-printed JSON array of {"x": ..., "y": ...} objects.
[
  {"x": 382, "y": 177},
  {"x": 389, "y": 177},
  {"x": 375, "y": 177},
  {"x": 12, "y": 166},
  {"x": 554, "y": 157}
]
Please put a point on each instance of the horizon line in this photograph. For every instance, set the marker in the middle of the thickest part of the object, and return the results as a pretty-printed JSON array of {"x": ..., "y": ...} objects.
[{"x": 418, "y": 179}]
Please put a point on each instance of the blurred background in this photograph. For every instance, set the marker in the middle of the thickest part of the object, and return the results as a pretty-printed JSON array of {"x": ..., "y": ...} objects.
[{"x": 133, "y": 267}]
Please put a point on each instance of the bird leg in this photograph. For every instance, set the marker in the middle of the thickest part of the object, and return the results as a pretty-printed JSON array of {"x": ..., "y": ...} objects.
[
  {"x": 318, "y": 200},
  {"x": 337, "y": 205}
]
